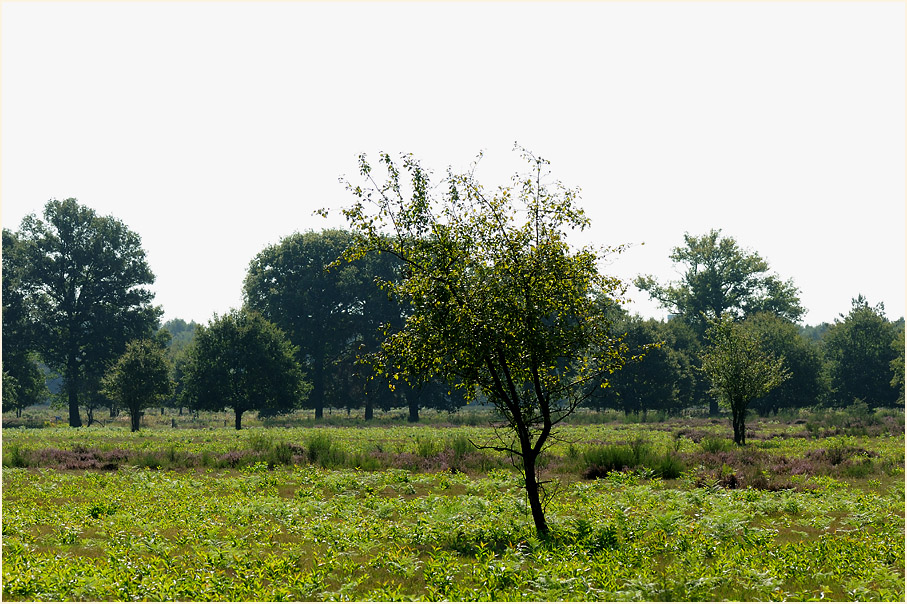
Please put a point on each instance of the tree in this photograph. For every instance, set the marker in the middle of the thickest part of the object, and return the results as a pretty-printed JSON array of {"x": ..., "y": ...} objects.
[
  {"x": 243, "y": 362},
  {"x": 139, "y": 379},
  {"x": 859, "y": 351},
  {"x": 897, "y": 366},
  {"x": 181, "y": 336},
  {"x": 23, "y": 380},
  {"x": 740, "y": 369},
  {"x": 722, "y": 279},
  {"x": 807, "y": 385},
  {"x": 317, "y": 308},
  {"x": 497, "y": 307},
  {"x": 655, "y": 377},
  {"x": 84, "y": 286}
]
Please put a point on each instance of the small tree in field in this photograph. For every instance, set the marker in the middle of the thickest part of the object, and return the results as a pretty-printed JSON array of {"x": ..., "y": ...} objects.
[
  {"x": 243, "y": 362},
  {"x": 739, "y": 369},
  {"x": 500, "y": 303},
  {"x": 139, "y": 379}
]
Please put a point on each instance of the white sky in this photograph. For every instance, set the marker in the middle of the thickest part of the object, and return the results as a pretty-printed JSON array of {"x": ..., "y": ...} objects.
[{"x": 216, "y": 129}]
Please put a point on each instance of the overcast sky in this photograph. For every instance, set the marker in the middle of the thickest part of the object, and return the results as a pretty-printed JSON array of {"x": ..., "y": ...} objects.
[{"x": 216, "y": 129}]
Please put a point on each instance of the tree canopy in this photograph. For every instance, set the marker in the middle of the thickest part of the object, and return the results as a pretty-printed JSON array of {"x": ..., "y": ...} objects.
[
  {"x": 139, "y": 378},
  {"x": 499, "y": 303},
  {"x": 721, "y": 279},
  {"x": 860, "y": 354},
  {"x": 243, "y": 362},
  {"x": 84, "y": 285},
  {"x": 740, "y": 369}
]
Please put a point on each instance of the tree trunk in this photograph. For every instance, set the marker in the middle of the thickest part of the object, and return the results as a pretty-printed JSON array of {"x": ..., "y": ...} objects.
[
  {"x": 72, "y": 391},
  {"x": 713, "y": 407},
  {"x": 413, "y": 409},
  {"x": 532, "y": 493},
  {"x": 369, "y": 410},
  {"x": 114, "y": 411},
  {"x": 317, "y": 394},
  {"x": 18, "y": 412},
  {"x": 135, "y": 418},
  {"x": 239, "y": 419},
  {"x": 738, "y": 414}
]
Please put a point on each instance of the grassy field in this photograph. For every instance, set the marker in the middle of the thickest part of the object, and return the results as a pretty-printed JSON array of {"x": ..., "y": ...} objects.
[{"x": 812, "y": 508}]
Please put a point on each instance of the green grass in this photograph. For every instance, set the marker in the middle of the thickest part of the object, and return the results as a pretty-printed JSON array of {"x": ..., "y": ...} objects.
[{"x": 336, "y": 527}]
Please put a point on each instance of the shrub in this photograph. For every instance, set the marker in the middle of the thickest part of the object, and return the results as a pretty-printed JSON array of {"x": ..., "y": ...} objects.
[
  {"x": 320, "y": 449},
  {"x": 713, "y": 444}
]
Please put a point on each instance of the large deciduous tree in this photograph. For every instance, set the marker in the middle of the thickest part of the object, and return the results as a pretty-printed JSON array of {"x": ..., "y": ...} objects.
[
  {"x": 859, "y": 350},
  {"x": 740, "y": 369},
  {"x": 23, "y": 380},
  {"x": 139, "y": 379},
  {"x": 719, "y": 279},
  {"x": 85, "y": 288},
  {"x": 243, "y": 362},
  {"x": 499, "y": 303},
  {"x": 317, "y": 308}
]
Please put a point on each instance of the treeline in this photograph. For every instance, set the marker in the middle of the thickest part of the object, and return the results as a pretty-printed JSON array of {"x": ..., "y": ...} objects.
[{"x": 76, "y": 305}]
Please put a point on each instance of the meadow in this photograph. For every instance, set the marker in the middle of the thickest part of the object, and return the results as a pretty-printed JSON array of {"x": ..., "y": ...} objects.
[{"x": 812, "y": 508}]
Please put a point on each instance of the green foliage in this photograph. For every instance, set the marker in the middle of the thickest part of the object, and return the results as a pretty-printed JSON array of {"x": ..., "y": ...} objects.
[
  {"x": 243, "y": 362},
  {"x": 859, "y": 348},
  {"x": 897, "y": 366},
  {"x": 740, "y": 369},
  {"x": 602, "y": 460},
  {"x": 500, "y": 304},
  {"x": 712, "y": 444},
  {"x": 304, "y": 533},
  {"x": 721, "y": 279},
  {"x": 84, "y": 282},
  {"x": 807, "y": 384},
  {"x": 23, "y": 381},
  {"x": 320, "y": 310},
  {"x": 139, "y": 379},
  {"x": 656, "y": 377}
]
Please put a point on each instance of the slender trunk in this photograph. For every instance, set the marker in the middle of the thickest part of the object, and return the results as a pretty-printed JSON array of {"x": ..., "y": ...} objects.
[
  {"x": 239, "y": 413},
  {"x": 18, "y": 412},
  {"x": 135, "y": 418},
  {"x": 369, "y": 410},
  {"x": 114, "y": 411},
  {"x": 532, "y": 493},
  {"x": 738, "y": 414}
]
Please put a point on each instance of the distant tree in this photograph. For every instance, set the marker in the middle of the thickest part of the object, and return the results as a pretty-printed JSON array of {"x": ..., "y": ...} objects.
[
  {"x": 181, "y": 335},
  {"x": 722, "y": 279},
  {"x": 859, "y": 351},
  {"x": 653, "y": 377},
  {"x": 807, "y": 385},
  {"x": 499, "y": 307},
  {"x": 23, "y": 385},
  {"x": 814, "y": 333},
  {"x": 84, "y": 285},
  {"x": 897, "y": 366},
  {"x": 243, "y": 362},
  {"x": 740, "y": 369},
  {"x": 23, "y": 381},
  {"x": 289, "y": 284},
  {"x": 139, "y": 379}
]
